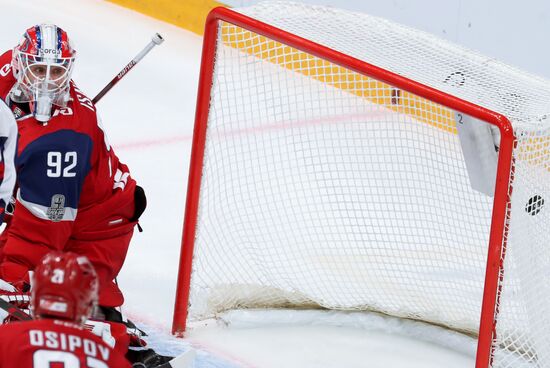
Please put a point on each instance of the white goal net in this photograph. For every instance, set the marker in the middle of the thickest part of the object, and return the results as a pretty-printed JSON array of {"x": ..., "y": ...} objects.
[{"x": 323, "y": 187}]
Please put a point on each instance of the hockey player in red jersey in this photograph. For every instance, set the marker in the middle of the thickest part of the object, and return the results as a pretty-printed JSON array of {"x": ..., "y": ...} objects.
[
  {"x": 64, "y": 294},
  {"x": 73, "y": 192}
]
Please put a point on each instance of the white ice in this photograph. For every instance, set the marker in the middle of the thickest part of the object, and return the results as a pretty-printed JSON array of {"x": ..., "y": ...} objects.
[{"x": 149, "y": 119}]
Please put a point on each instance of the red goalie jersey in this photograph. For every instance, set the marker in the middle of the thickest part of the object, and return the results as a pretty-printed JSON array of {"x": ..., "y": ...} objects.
[
  {"x": 73, "y": 192},
  {"x": 52, "y": 343}
]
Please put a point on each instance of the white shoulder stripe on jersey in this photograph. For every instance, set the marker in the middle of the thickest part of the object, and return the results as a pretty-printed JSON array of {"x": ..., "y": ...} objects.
[{"x": 69, "y": 213}]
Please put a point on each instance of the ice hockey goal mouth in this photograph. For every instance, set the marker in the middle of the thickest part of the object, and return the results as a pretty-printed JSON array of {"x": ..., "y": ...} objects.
[{"x": 342, "y": 161}]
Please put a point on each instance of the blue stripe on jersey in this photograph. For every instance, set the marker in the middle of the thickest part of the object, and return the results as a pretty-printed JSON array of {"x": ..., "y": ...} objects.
[{"x": 56, "y": 163}]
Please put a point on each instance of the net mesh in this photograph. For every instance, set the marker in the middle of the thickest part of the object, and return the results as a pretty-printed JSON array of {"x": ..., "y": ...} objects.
[{"x": 325, "y": 188}]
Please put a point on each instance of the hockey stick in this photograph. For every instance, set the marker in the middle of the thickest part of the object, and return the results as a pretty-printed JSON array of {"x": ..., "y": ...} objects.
[
  {"x": 184, "y": 360},
  {"x": 157, "y": 40},
  {"x": 14, "y": 311}
]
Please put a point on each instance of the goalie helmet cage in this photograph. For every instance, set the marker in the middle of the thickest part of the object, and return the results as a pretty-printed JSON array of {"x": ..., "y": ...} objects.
[{"x": 327, "y": 172}]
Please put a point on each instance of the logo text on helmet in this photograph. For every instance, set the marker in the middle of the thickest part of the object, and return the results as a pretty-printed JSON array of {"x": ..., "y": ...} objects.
[
  {"x": 5, "y": 70},
  {"x": 58, "y": 276},
  {"x": 49, "y": 52}
]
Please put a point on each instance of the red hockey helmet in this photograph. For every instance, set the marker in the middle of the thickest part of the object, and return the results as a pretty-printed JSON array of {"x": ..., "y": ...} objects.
[
  {"x": 42, "y": 63},
  {"x": 64, "y": 286}
]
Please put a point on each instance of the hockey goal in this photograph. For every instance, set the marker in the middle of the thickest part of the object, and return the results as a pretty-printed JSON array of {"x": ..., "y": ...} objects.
[{"x": 341, "y": 161}]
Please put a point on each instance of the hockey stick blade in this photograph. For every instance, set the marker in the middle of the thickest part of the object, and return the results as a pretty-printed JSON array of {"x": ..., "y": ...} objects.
[
  {"x": 184, "y": 360},
  {"x": 14, "y": 311}
]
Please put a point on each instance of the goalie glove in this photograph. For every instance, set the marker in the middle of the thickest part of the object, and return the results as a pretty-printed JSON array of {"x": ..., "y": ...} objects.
[
  {"x": 11, "y": 294},
  {"x": 15, "y": 295}
]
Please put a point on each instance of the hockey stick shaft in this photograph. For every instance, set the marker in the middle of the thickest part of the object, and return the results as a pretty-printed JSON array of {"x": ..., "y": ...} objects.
[
  {"x": 14, "y": 311},
  {"x": 157, "y": 40}
]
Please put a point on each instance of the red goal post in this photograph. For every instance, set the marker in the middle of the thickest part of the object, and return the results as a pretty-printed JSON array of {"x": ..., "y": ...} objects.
[{"x": 500, "y": 212}]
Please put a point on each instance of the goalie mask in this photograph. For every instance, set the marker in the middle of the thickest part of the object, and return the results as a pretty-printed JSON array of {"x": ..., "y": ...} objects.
[
  {"x": 64, "y": 286},
  {"x": 42, "y": 65}
]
